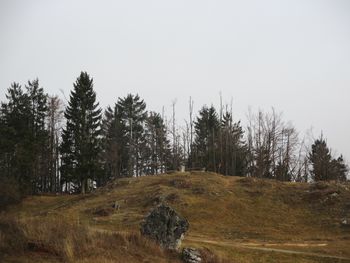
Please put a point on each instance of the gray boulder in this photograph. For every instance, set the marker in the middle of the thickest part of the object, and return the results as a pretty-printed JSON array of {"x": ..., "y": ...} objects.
[
  {"x": 165, "y": 226},
  {"x": 191, "y": 255}
]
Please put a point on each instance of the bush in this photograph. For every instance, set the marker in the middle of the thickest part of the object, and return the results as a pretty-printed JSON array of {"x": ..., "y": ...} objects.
[
  {"x": 209, "y": 257},
  {"x": 9, "y": 194},
  {"x": 12, "y": 237}
]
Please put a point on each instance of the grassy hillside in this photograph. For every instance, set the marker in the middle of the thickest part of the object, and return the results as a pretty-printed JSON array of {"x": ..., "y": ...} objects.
[{"x": 238, "y": 219}]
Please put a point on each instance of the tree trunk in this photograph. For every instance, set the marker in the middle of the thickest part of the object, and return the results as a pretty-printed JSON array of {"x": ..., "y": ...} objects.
[{"x": 83, "y": 186}]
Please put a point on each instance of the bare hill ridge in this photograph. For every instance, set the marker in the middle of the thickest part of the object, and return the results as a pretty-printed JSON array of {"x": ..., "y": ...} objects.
[{"x": 240, "y": 219}]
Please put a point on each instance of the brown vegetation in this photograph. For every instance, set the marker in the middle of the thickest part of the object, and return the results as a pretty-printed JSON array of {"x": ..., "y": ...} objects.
[
  {"x": 234, "y": 217},
  {"x": 55, "y": 239}
]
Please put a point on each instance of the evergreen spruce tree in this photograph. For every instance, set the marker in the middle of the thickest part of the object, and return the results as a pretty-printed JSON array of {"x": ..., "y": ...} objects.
[
  {"x": 206, "y": 139},
  {"x": 234, "y": 148},
  {"x": 132, "y": 110},
  {"x": 114, "y": 145},
  {"x": 23, "y": 136},
  {"x": 15, "y": 136},
  {"x": 324, "y": 166},
  {"x": 134, "y": 143},
  {"x": 339, "y": 169},
  {"x": 158, "y": 146},
  {"x": 39, "y": 135},
  {"x": 80, "y": 139},
  {"x": 320, "y": 159}
]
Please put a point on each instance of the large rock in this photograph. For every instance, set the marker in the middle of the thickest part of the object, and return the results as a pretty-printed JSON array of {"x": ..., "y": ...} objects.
[
  {"x": 191, "y": 255},
  {"x": 165, "y": 226}
]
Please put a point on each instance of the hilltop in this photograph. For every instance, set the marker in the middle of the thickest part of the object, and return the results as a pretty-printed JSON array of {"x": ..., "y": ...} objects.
[{"x": 237, "y": 219}]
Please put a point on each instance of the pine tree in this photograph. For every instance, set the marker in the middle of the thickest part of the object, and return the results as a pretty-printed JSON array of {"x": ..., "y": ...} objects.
[
  {"x": 234, "y": 149},
  {"x": 114, "y": 145},
  {"x": 159, "y": 151},
  {"x": 24, "y": 136},
  {"x": 320, "y": 159},
  {"x": 16, "y": 137},
  {"x": 339, "y": 169},
  {"x": 206, "y": 136},
  {"x": 39, "y": 136},
  {"x": 324, "y": 166},
  {"x": 132, "y": 110},
  {"x": 80, "y": 139}
]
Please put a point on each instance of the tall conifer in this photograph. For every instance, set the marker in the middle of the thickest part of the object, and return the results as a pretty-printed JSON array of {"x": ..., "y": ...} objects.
[{"x": 80, "y": 139}]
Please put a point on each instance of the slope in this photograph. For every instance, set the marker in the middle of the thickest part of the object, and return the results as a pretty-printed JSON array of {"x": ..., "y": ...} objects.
[{"x": 241, "y": 219}]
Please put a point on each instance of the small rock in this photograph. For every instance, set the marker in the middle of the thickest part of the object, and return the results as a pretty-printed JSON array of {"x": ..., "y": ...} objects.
[
  {"x": 345, "y": 222},
  {"x": 191, "y": 255},
  {"x": 334, "y": 195},
  {"x": 165, "y": 226}
]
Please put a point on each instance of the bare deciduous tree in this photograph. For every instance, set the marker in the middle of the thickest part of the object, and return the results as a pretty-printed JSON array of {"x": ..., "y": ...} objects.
[
  {"x": 273, "y": 146},
  {"x": 54, "y": 123}
]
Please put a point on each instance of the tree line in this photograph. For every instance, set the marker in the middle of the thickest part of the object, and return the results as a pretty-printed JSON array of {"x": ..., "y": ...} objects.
[{"x": 46, "y": 147}]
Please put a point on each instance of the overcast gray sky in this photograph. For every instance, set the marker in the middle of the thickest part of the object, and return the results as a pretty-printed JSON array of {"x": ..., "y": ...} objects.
[{"x": 292, "y": 55}]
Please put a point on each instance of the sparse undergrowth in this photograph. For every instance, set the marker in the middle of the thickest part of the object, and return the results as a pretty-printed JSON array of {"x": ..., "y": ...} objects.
[
  {"x": 54, "y": 239},
  {"x": 228, "y": 216}
]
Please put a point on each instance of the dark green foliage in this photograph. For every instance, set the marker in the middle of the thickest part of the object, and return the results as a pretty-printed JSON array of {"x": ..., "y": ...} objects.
[
  {"x": 233, "y": 149},
  {"x": 114, "y": 154},
  {"x": 159, "y": 150},
  {"x": 80, "y": 139},
  {"x": 206, "y": 139},
  {"x": 24, "y": 137},
  {"x": 324, "y": 167},
  {"x": 15, "y": 118},
  {"x": 38, "y": 144},
  {"x": 219, "y": 145},
  {"x": 134, "y": 142},
  {"x": 282, "y": 172},
  {"x": 320, "y": 159},
  {"x": 339, "y": 169},
  {"x": 132, "y": 114}
]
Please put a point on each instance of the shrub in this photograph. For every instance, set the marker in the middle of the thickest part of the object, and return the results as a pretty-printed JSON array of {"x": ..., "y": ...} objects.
[
  {"x": 9, "y": 194},
  {"x": 12, "y": 237}
]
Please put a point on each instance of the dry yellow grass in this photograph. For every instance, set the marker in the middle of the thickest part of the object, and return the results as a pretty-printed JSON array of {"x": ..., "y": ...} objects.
[
  {"x": 236, "y": 218},
  {"x": 53, "y": 239}
]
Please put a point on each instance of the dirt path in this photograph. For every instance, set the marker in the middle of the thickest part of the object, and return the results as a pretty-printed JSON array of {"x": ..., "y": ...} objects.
[{"x": 257, "y": 246}]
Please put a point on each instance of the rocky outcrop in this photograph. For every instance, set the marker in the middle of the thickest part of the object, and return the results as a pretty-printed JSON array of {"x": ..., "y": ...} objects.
[
  {"x": 165, "y": 226},
  {"x": 191, "y": 255}
]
